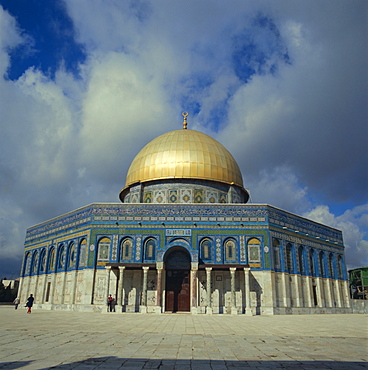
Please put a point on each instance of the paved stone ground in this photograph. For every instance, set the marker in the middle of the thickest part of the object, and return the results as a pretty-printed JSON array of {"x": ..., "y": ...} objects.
[{"x": 77, "y": 340}]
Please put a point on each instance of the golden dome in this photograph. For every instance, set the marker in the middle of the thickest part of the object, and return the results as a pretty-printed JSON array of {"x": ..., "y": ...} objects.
[{"x": 184, "y": 154}]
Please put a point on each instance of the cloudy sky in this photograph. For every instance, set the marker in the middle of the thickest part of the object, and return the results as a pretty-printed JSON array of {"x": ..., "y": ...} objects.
[{"x": 85, "y": 84}]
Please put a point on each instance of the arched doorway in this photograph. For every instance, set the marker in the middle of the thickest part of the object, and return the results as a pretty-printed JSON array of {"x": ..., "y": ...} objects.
[{"x": 177, "y": 290}]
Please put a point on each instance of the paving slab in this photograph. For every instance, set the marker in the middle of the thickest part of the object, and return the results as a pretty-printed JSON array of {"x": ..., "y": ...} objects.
[{"x": 80, "y": 340}]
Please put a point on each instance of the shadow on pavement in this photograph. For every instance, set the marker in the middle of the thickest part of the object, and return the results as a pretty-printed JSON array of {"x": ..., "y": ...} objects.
[
  {"x": 172, "y": 364},
  {"x": 14, "y": 364}
]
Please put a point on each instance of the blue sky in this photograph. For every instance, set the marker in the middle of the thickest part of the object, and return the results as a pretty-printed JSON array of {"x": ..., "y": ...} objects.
[{"x": 84, "y": 85}]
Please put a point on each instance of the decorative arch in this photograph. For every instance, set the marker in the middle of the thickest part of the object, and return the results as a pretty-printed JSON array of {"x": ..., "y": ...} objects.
[
  {"x": 311, "y": 268},
  {"x": 339, "y": 267},
  {"x": 103, "y": 249},
  {"x": 254, "y": 250},
  {"x": 83, "y": 253},
  {"x": 321, "y": 265},
  {"x": 300, "y": 259},
  {"x": 60, "y": 261},
  {"x": 230, "y": 250},
  {"x": 51, "y": 260},
  {"x": 289, "y": 257},
  {"x": 276, "y": 253},
  {"x": 205, "y": 249},
  {"x": 177, "y": 258},
  {"x": 126, "y": 249},
  {"x": 178, "y": 242},
  {"x": 72, "y": 255},
  {"x": 34, "y": 266},
  {"x": 331, "y": 271},
  {"x": 27, "y": 264},
  {"x": 150, "y": 249},
  {"x": 43, "y": 260}
]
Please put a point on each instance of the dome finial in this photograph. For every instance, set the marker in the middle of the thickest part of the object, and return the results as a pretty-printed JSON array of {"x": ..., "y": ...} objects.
[{"x": 185, "y": 115}]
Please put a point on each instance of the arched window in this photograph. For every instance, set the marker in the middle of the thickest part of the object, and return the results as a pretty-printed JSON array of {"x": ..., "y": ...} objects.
[
  {"x": 27, "y": 264},
  {"x": 52, "y": 259},
  {"x": 312, "y": 270},
  {"x": 35, "y": 263},
  {"x": 83, "y": 253},
  {"x": 230, "y": 252},
  {"x": 205, "y": 249},
  {"x": 104, "y": 249},
  {"x": 126, "y": 249},
  {"x": 276, "y": 253},
  {"x": 330, "y": 266},
  {"x": 61, "y": 258},
  {"x": 43, "y": 260},
  {"x": 300, "y": 259},
  {"x": 321, "y": 266},
  {"x": 72, "y": 255},
  {"x": 289, "y": 257},
  {"x": 254, "y": 252},
  {"x": 339, "y": 267},
  {"x": 149, "y": 249}
]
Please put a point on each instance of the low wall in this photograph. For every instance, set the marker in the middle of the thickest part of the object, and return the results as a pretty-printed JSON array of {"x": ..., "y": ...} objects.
[{"x": 359, "y": 305}]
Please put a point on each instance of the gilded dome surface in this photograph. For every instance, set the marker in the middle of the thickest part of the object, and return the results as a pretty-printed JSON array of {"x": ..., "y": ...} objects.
[{"x": 184, "y": 154}]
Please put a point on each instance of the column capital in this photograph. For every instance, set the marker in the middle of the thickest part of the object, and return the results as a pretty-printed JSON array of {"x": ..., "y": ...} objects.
[
  {"x": 108, "y": 268},
  {"x": 208, "y": 269},
  {"x": 246, "y": 269},
  {"x": 145, "y": 268},
  {"x": 194, "y": 266},
  {"x": 121, "y": 268},
  {"x": 232, "y": 269}
]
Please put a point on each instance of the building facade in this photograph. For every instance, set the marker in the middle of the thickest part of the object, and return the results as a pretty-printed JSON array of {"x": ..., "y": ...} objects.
[{"x": 184, "y": 240}]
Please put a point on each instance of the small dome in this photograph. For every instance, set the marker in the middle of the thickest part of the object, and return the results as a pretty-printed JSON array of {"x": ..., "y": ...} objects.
[{"x": 184, "y": 154}]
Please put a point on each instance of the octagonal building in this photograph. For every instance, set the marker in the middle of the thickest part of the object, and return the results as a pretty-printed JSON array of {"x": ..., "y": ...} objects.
[{"x": 183, "y": 239}]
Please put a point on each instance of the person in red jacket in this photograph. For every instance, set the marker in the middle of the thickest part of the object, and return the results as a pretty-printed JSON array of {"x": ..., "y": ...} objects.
[{"x": 110, "y": 304}]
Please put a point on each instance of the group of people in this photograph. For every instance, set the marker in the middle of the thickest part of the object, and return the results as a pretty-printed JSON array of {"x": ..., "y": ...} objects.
[
  {"x": 110, "y": 303},
  {"x": 29, "y": 303}
]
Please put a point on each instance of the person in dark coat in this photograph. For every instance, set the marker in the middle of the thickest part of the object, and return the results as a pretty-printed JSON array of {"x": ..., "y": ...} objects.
[{"x": 29, "y": 303}]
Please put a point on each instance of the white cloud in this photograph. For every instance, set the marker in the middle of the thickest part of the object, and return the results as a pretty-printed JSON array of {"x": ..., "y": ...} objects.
[
  {"x": 10, "y": 37},
  {"x": 67, "y": 142},
  {"x": 354, "y": 225}
]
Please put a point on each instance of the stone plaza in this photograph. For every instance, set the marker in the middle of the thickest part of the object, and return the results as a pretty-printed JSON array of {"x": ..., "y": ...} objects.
[{"x": 49, "y": 339}]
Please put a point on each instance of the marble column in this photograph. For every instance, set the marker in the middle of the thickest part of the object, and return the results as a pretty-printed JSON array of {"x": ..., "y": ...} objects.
[
  {"x": 53, "y": 287},
  {"x": 329, "y": 299},
  {"x": 308, "y": 293},
  {"x": 193, "y": 304},
  {"x": 338, "y": 293},
  {"x": 158, "y": 308},
  {"x": 297, "y": 283},
  {"x": 320, "y": 297},
  {"x": 285, "y": 291},
  {"x": 143, "y": 307},
  {"x": 62, "y": 290},
  {"x": 346, "y": 296},
  {"x": 36, "y": 289},
  {"x": 108, "y": 272},
  {"x": 234, "y": 311},
  {"x": 208, "y": 277},
  {"x": 248, "y": 308},
  {"x": 120, "y": 295},
  {"x": 74, "y": 286}
]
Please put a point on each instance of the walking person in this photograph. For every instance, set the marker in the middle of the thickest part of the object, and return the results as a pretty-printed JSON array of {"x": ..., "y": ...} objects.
[
  {"x": 16, "y": 302},
  {"x": 29, "y": 303},
  {"x": 110, "y": 304}
]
